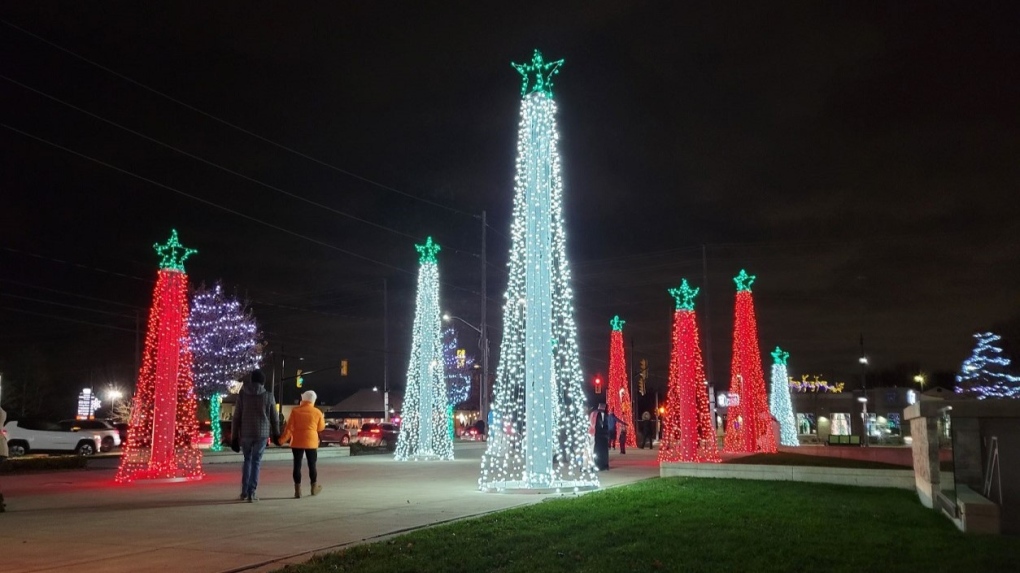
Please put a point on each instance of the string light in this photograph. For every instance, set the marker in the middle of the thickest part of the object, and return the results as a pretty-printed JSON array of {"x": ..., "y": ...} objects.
[
  {"x": 748, "y": 421},
  {"x": 458, "y": 368},
  {"x": 618, "y": 400},
  {"x": 779, "y": 399},
  {"x": 985, "y": 374},
  {"x": 687, "y": 431},
  {"x": 539, "y": 436},
  {"x": 225, "y": 346},
  {"x": 424, "y": 429},
  {"x": 162, "y": 434}
]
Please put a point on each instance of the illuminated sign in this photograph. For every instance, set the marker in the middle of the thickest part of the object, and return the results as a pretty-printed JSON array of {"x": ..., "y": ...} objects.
[{"x": 815, "y": 385}]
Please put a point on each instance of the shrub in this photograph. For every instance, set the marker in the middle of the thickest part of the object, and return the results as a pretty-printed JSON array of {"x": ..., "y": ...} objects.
[{"x": 43, "y": 464}]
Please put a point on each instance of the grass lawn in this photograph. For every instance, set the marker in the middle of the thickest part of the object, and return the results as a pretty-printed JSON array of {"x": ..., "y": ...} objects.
[
  {"x": 691, "y": 524},
  {"x": 788, "y": 459}
]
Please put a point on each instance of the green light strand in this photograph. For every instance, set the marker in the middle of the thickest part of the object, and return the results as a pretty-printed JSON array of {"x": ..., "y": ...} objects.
[
  {"x": 684, "y": 295},
  {"x": 537, "y": 76},
  {"x": 616, "y": 323},
  {"x": 780, "y": 356},
  {"x": 427, "y": 252},
  {"x": 214, "y": 419},
  {"x": 743, "y": 281},
  {"x": 172, "y": 254}
]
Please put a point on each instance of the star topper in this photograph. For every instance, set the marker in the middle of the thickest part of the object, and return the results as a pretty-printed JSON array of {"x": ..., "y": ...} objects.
[
  {"x": 780, "y": 356},
  {"x": 684, "y": 296},
  {"x": 743, "y": 281},
  {"x": 172, "y": 254},
  {"x": 538, "y": 74},
  {"x": 616, "y": 323},
  {"x": 427, "y": 252}
]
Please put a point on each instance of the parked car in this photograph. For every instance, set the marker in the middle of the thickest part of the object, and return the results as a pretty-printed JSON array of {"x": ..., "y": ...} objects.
[
  {"x": 380, "y": 434},
  {"x": 472, "y": 433},
  {"x": 24, "y": 436},
  {"x": 335, "y": 434},
  {"x": 205, "y": 435},
  {"x": 122, "y": 429},
  {"x": 110, "y": 435}
]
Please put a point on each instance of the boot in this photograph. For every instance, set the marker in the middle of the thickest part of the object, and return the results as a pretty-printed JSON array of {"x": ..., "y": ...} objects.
[
  {"x": 297, "y": 491},
  {"x": 3, "y": 506},
  {"x": 316, "y": 488}
]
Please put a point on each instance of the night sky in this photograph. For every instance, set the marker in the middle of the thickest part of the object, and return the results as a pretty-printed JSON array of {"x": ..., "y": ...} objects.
[{"x": 862, "y": 160}]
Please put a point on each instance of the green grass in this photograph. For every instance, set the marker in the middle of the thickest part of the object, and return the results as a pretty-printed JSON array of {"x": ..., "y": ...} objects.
[
  {"x": 690, "y": 524},
  {"x": 787, "y": 459}
]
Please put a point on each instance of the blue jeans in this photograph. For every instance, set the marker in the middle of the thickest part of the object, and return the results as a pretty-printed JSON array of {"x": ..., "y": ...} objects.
[{"x": 252, "y": 450}]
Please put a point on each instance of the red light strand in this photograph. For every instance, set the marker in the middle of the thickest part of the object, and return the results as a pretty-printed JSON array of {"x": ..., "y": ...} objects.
[
  {"x": 618, "y": 394},
  {"x": 687, "y": 431},
  {"x": 748, "y": 422}
]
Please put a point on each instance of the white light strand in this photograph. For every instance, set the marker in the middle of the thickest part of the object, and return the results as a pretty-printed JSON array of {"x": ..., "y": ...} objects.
[
  {"x": 538, "y": 439},
  {"x": 424, "y": 428},
  {"x": 985, "y": 374},
  {"x": 782, "y": 407}
]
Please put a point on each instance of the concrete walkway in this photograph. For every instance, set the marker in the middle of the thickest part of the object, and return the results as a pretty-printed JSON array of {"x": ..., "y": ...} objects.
[{"x": 81, "y": 521}]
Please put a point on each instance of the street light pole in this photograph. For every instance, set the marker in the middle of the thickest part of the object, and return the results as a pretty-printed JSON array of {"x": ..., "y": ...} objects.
[{"x": 864, "y": 393}]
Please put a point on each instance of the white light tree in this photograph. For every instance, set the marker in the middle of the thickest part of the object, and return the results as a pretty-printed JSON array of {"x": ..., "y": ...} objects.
[
  {"x": 985, "y": 374},
  {"x": 539, "y": 436},
  {"x": 779, "y": 399},
  {"x": 225, "y": 343},
  {"x": 424, "y": 430}
]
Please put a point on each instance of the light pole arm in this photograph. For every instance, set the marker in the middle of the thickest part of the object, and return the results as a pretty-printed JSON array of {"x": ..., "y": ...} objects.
[{"x": 449, "y": 317}]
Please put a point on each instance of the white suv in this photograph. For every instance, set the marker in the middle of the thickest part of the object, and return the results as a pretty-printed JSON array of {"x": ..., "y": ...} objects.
[
  {"x": 24, "y": 436},
  {"x": 110, "y": 434}
]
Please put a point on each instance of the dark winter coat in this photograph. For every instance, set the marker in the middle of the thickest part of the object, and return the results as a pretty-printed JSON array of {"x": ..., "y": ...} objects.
[{"x": 255, "y": 416}]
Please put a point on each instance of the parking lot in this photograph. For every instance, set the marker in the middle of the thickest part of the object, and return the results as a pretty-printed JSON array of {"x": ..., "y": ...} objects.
[{"x": 198, "y": 526}]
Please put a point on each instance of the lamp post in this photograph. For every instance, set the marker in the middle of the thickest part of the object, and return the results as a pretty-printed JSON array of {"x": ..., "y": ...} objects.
[
  {"x": 483, "y": 388},
  {"x": 863, "y": 360}
]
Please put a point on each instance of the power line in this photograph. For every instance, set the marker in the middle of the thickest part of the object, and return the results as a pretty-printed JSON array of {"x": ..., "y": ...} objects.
[
  {"x": 64, "y": 318},
  {"x": 237, "y": 127},
  {"x": 53, "y": 290},
  {"x": 65, "y": 305},
  {"x": 201, "y": 200}
]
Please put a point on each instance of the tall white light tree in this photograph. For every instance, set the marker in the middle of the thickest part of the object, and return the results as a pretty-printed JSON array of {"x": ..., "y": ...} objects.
[
  {"x": 779, "y": 399},
  {"x": 225, "y": 343},
  {"x": 985, "y": 374},
  {"x": 539, "y": 435},
  {"x": 424, "y": 430}
]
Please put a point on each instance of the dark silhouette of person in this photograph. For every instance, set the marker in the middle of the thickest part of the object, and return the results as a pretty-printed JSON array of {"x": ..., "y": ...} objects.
[{"x": 600, "y": 429}]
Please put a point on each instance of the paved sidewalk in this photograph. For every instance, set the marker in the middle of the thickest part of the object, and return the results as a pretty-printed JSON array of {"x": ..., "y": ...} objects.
[{"x": 82, "y": 521}]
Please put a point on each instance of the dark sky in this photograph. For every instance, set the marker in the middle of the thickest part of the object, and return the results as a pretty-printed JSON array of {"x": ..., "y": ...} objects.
[{"x": 861, "y": 159}]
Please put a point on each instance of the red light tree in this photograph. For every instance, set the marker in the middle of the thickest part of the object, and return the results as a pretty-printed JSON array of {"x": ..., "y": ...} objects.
[
  {"x": 618, "y": 395},
  {"x": 748, "y": 420},
  {"x": 687, "y": 431},
  {"x": 161, "y": 438}
]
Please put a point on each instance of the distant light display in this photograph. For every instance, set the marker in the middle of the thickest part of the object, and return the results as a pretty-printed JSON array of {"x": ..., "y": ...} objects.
[
  {"x": 815, "y": 385},
  {"x": 985, "y": 374},
  {"x": 161, "y": 441},
  {"x": 688, "y": 434},
  {"x": 539, "y": 433},
  {"x": 779, "y": 399},
  {"x": 225, "y": 346},
  {"x": 749, "y": 422},
  {"x": 618, "y": 399},
  {"x": 424, "y": 432}
]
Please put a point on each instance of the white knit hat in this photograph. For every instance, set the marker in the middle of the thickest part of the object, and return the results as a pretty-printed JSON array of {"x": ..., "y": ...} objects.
[{"x": 309, "y": 396}]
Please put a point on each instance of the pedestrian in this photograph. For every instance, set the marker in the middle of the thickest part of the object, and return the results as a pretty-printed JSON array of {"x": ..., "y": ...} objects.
[
  {"x": 302, "y": 431},
  {"x": 622, "y": 425},
  {"x": 611, "y": 428},
  {"x": 4, "y": 453},
  {"x": 647, "y": 431},
  {"x": 255, "y": 422},
  {"x": 600, "y": 429}
]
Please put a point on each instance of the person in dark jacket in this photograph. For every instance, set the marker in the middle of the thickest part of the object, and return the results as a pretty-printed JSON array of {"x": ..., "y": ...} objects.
[
  {"x": 599, "y": 428},
  {"x": 255, "y": 421}
]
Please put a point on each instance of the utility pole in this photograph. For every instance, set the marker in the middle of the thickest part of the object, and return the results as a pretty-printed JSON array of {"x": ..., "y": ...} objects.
[
  {"x": 864, "y": 394},
  {"x": 386, "y": 354},
  {"x": 633, "y": 397},
  {"x": 710, "y": 370},
  {"x": 483, "y": 342}
]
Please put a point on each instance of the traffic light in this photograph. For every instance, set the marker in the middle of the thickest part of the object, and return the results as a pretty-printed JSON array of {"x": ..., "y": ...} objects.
[
  {"x": 642, "y": 376},
  {"x": 598, "y": 384},
  {"x": 343, "y": 368},
  {"x": 300, "y": 381}
]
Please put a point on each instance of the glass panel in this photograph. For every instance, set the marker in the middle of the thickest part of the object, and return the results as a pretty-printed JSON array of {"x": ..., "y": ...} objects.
[
  {"x": 841, "y": 424},
  {"x": 806, "y": 424},
  {"x": 947, "y": 478}
]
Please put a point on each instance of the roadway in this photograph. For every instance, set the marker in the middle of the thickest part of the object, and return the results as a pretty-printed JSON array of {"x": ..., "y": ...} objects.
[{"x": 82, "y": 521}]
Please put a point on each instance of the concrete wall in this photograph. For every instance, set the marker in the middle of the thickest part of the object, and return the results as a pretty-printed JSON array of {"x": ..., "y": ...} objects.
[
  {"x": 896, "y": 455},
  {"x": 901, "y": 479}
]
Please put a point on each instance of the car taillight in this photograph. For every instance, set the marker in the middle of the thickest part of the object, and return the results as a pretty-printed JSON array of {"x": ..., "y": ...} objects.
[{"x": 377, "y": 431}]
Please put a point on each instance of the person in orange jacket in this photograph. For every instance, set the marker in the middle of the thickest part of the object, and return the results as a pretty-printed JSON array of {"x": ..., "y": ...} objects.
[{"x": 302, "y": 431}]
